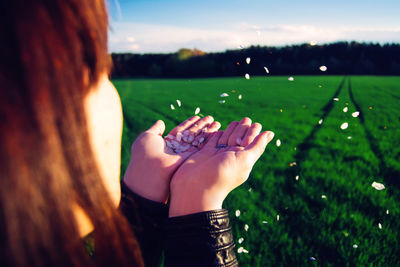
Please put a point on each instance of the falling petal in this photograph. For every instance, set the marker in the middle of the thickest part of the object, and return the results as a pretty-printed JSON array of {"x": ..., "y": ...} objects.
[
  {"x": 355, "y": 114},
  {"x": 345, "y": 109},
  {"x": 197, "y": 111},
  {"x": 297, "y": 177},
  {"x": 266, "y": 70},
  {"x": 277, "y": 217},
  {"x": 349, "y": 137},
  {"x": 224, "y": 95},
  {"x": 312, "y": 259},
  {"x": 323, "y": 68},
  {"x": 323, "y": 196},
  {"x": 240, "y": 241},
  {"x": 239, "y": 97},
  {"x": 320, "y": 121},
  {"x": 172, "y": 107},
  {"x": 387, "y": 211},
  {"x": 237, "y": 213},
  {"x": 336, "y": 99},
  {"x": 247, "y": 76},
  {"x": 378, "y": 186},
  {"x": 291, "y": 79},
  {"x": 179, "y": 102},
  {"x": 240, "y": 250},
  {"x": 380, "y": 225},
  {"x": 245, "y": 251},
  {"x": 221, "y": 101},
  {"x": 246, "y": 227},
  {"x": 355, "y": 246},
  {"x": 248, "y": 60},
  {"x": 344, "y": 126},
  {"x": 278, "y": 143},
  {"x": 250, "y": 189},
  {"x": 264, "y": 222}
]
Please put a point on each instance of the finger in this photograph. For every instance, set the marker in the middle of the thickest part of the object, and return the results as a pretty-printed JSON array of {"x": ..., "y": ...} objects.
[
  {"x": 235, "y": 139},
  {"x": 191, "y": 133},
  {"x": 184, "y": 125},
  {"x": 203, "y": 138},
  {"x": 225, "y": 137},
  {"x": 213, "y": 141},
  {"x": 253, "y": 152},
  {"x": 252, "y": 132},
  {"x": 157, "y": 128}
]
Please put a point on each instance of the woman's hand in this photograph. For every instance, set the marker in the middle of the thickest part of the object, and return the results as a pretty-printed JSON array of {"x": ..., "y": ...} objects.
[
  {"x": 206, "y": 178},
  {"x": 152, "y": 163}
]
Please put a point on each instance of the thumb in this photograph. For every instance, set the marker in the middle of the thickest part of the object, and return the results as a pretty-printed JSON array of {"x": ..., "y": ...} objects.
[{"x": 157, "y": 128}]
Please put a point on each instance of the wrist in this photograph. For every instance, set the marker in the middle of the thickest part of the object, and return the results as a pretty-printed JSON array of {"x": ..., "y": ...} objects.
[
  {"x": 189, "y": 201},
  {"x": 149, "y": 187}
]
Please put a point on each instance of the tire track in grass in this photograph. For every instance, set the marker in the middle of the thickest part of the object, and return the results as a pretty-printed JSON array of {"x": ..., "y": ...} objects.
[
  {"x": 291, "y": 189},
  {"x": 391, "y": 176},
  {"x": 303, "y": 147},
  {"x": 307, "y": 144}
]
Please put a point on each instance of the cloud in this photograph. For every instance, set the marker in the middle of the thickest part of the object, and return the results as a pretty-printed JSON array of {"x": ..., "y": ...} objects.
[{"x": 145, "y": 38}]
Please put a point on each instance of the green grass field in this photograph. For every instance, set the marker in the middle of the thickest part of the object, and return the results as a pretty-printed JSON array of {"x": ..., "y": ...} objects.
[{"x": 331, "y": 213}]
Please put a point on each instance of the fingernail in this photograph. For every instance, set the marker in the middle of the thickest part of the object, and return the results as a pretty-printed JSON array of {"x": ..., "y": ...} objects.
[{"x": 270, "y": 135}]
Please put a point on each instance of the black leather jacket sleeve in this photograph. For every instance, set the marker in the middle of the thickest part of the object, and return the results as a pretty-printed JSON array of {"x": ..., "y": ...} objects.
[
  {"x": 200, "y": 239},
  {"x": 146, "y": 218}
]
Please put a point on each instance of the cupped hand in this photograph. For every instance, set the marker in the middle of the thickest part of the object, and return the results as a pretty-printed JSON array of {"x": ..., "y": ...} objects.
[
  {"x": 153, "y": 164},
  {"x": 206, "y": 178}
]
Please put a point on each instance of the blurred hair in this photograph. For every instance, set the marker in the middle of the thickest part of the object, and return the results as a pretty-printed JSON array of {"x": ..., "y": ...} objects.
[{"x": 51, "y": 53}]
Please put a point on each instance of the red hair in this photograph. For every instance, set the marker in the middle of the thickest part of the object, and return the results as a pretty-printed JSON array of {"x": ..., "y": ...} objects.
[{"x": 51, "y": 53}]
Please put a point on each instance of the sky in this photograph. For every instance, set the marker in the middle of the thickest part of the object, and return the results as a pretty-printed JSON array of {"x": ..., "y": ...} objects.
[{"x": 163, "y": 26}]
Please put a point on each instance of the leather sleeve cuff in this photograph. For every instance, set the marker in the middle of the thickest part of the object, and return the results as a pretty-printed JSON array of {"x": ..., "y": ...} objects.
[
  {"x": 132, "y": 204},
  {"x": 204, "y": 238}
]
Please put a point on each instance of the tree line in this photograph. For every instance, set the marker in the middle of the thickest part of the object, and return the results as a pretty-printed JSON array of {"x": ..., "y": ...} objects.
[{"x": 340, "y": 58}]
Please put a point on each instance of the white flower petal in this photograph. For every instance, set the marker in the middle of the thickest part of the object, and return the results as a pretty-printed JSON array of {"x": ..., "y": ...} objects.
[
  {"x": 320, "y": 121},
  {"x": 355, "y": 114},
  {"x": 248, "y": 60},
  {"x": 266, "y": 70},
  {"x": 247, "y": 76},
  {"x": 240, "y": 241},
  {"x": 344, "y": 126},
  {"x": 172, "y": 107},
  {"x": 197, "y": 111},
  {"x": 179, "y": 102},
  {"x": 378, "y": 186},
  {"x": 239, "y": 97},
  {"x": 246, "y": 227},
  {"x": 237, "y": 213},
  {"x": 278, "y": 143},
  {"x": 323, "y": 68},
  {"x": 345, "y": 109},
  {"x": 291, "y": 79},
  {"x": 224, "y": 95}
]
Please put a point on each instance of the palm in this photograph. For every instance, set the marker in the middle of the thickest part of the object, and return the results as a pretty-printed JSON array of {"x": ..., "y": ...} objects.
[
  {"x": 204, "y": 180},
  {"x": 153, "y": 163}
]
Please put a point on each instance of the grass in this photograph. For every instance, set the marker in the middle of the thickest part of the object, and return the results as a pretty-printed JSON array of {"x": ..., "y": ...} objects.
[{"x": 328, "y": 163}]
